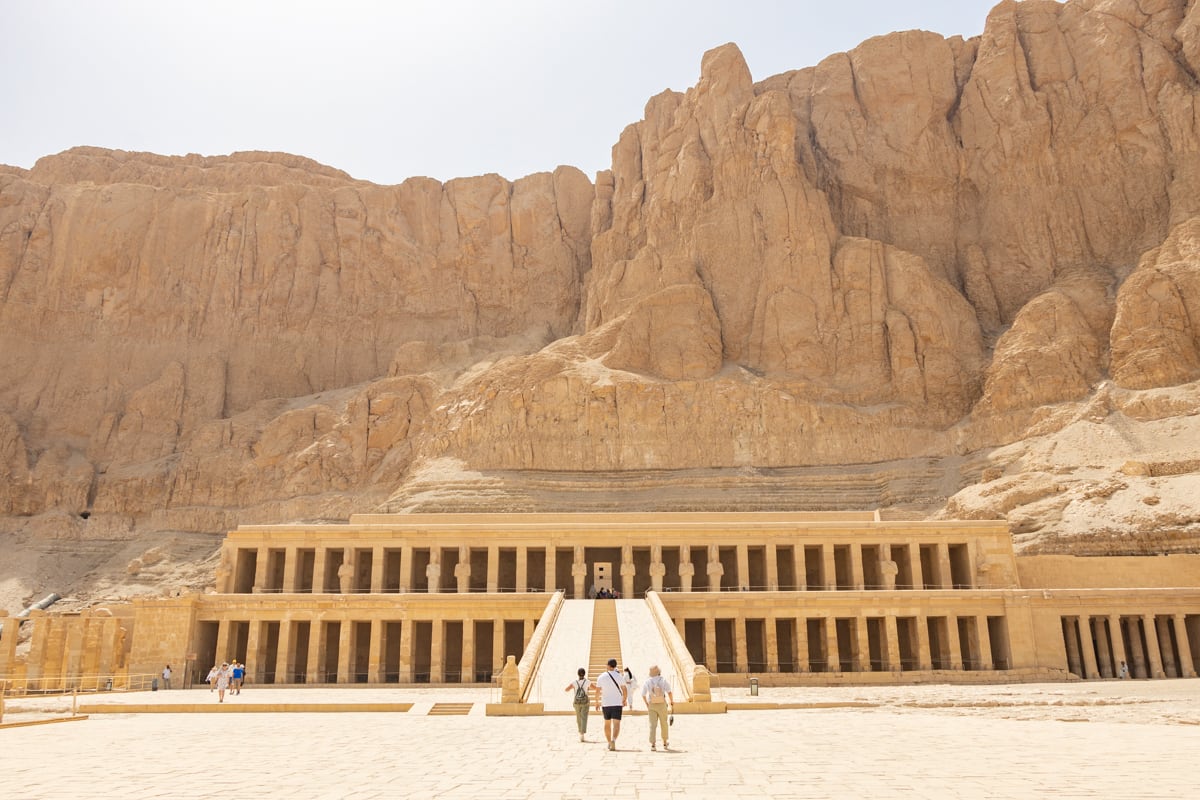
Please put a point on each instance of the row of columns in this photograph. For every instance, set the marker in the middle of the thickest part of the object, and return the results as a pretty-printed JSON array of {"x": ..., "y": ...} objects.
[
  {"x": 1148, "y": 639},
  {"x": 888, "y": 645},
  {"x": 281, "y": 666},
  {"x": 938, "y": 574},
  {"x": 85, "y": 650}
]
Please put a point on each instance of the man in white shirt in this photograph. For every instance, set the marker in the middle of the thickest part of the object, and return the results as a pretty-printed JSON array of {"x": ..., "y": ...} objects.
[{"x": 611, "y": 700}]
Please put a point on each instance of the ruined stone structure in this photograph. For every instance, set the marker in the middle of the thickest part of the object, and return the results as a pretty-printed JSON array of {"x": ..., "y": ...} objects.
[{"x": 790, "y": 598}]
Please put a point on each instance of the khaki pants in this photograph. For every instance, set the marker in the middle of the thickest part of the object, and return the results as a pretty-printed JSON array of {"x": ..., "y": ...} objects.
[
  {"x": 581, "y": 716},
  {"x": 657, "y": 712}
]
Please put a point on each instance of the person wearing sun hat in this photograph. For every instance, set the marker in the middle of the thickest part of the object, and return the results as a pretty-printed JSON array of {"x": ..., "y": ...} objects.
[{"x": 224, "y": 676}]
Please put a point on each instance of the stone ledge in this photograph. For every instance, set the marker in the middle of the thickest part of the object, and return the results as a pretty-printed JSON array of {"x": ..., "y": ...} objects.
[
  {"x": 241, "y": 708},
  {"x": 31, "y": 722}
]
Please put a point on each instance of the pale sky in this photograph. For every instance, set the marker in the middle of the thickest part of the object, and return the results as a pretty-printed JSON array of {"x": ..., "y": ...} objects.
[{"x": 390, "y": 90}]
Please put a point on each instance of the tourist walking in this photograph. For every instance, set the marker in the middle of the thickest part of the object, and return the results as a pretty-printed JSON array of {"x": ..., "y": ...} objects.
[
  {"x": 239, "y": 675},
  {"x": 631, "y": 687},
  {"x": 610, "y": 701},
  {"x": 166, "y": 676},
  {"x": 222, "y": 679},
  {"x": 660, "y": 701},
  {"x": 582, "y": 688},
  {"x": 211, "y": 677}
]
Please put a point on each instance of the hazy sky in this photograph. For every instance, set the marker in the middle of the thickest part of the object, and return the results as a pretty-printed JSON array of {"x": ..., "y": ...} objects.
[{"x": 388, "y": 90}]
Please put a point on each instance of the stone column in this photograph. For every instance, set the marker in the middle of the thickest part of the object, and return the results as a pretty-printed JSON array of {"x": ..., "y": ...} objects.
[
  {"x": 345, "y": 666},
  {"x": 830, "y": 566},
  {"x": 8, "y": 642},
  {"x": 261, "y": 562},
  {"x": 772, "y": 557},
  {"x": 498, "y": 644},
  {"x": 468, "y": 651},
  {"x": 522, "y": 569},
  {"x": 802, "y": 660},
  {"x": 743, "y": 566},
  {"x": 406, "y": 562},
  {"x": 375, "y": 651},
  {"x": 1185, "y": 648},
  {"x": 1074, "y": 664},
  {"x": 1163, "y": 630},
  {"x": 551, "y": 583},
  {"x": 628, "y": 570},
  {"x": 1137, "y": 655},
  {"x": 985, "y": 643},
  {"x": 1153, "y": 657},
  {"x": 741, "y": 662},
  {"x": 407, "y": 627},
  {"x": 1089, "y": 649},
  {"x": 254, "y": 655},
  {"x": 924, "y": 657},
  {"x": 579, "y": 573},
  {"x": 715, "y": 569},
  {"x": 771, "y": 632},
  {"x": 1118, "y": 644},
  {"x": 710, "y": 644},
  {"x": 943, "y": 566},
  {"x": 223, "y": 654},
  {"x": 833, "y": 657},
  {"x": 285, "y": 652},
  {"x": 799, "y": 567},
  {"x": 291, "y": 569},
  {"x": 892, "y": 631},
  {"x": 1103, "y": 645},
  {"x": 319, "y": 560},
  {"x": 92, "y": 643},
  {"x": 686, "y": 570},
  {"x": 378, "y": 559},
  {"x": 863, "y": 662},
  {"x": 914, "y": 566},
  {"x": 437, "y": 651},
  {"x": 857, "y": 579},
  {"x": 954, "y": 643},
  {"x": 316, "y": 650},
  {"x": 462, "y": 571},
  {"x": 493, "y": 569},
  {"x": 658, "y": 571},
  {"x": 348, "y": 571}
]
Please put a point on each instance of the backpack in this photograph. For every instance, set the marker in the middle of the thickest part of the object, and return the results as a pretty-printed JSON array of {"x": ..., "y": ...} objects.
[
  {"x": 581, "y": 694},
  {"x": 657, "y": 695}
]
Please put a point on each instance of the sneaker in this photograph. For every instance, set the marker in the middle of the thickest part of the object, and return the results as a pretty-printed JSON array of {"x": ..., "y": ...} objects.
[{"x": 666, "y": 746}]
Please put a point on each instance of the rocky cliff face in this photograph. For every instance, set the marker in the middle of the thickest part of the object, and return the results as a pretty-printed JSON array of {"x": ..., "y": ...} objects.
[{"x": 936, "y": 256}]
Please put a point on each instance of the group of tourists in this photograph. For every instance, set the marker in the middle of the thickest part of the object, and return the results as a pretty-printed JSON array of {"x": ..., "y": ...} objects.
[
  {"x": 603, "y": 594},
  {"x": 229, "y": 676},
  {"x": 614, "y": 691}
]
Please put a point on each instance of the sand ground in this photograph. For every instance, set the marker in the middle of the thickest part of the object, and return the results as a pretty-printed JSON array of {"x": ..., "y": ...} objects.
[{"x": 1096, "y": 739}]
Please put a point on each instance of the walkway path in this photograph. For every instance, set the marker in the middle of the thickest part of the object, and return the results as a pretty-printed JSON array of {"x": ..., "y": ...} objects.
[
  {"x": 566, "y": 652},
  {"x": 1095, "y": 740}
]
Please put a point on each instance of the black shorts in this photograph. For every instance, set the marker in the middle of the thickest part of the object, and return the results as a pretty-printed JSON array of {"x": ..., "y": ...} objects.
[{"x": 612, "y": 712}]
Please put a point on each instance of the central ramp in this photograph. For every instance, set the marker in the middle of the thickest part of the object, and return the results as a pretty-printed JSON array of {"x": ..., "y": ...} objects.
[
  {"x": 567, "y": 650},
  {"x": 642, "y": 646}
]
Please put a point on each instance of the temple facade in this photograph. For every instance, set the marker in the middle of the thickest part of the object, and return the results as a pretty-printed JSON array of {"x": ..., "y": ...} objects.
[{"x": 789, "y": 598}]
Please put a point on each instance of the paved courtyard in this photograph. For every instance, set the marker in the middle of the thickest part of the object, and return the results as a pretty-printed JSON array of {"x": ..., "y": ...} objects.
[{"x": 1107, "y": 739}]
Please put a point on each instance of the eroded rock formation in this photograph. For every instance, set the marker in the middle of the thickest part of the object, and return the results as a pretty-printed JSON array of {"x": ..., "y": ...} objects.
[{"x": 925, "y": 248}]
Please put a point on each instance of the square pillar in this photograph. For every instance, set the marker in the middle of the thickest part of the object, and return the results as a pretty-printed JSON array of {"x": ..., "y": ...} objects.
[
  {"x": 1089, "y": 649},
  {"x": 772, "y": 556},
  {"x": 710, "y": 644},
  {"x": 260, "y": 569},
  {"x": 743, "y": 567},
  {"x": 493, "y": 570},
  {"x": 830, "y": 567},
  {"x": 863, "y": 662},
  {"x": 285, "y": 652},
  {"x": 498, "y": 645},
  {"x": 772, "y": 643},
  {"x": 345, "y": 664},
  {"x": 437, "y": 652},
  {"x": 1153, "y": 657},
  {"x": 914, "y": 565},
  {"x": 316, "y": 649},
  {"x": 1185, "y": 648},
  {"x": 856, "y": 567},
  {"x": 377, "y": 559},
  {"x": 833, "y": 657},
  {"x": 954, "y": 642},
  {"x": 1162, "y": 627},
  {"x": 924, "y": 657},
  {"x": 551, "y": 570},
  {"x": 943, "y": 567},
  {"x": 319, "y": 559},
  {"x": 375, "y": 651},
  {"x": 291, "y": 569},
  {"x": 985, "y": 644},
  {"x": 893, "y": 643},
  {"x": 8, "y": 643},
  {"x": 800, "y": 568},
  {"x": 802, "y": 662},
  {"x": 254, "y": 650},
  {"x": 741, "y": 662},
  {"x": 222, "y": 643},
  {"x": 1117, "y": 642},
  {"x": 406, "y": 650},
  {"x": 468, "y": 651},
  {"x": 406, "y": 561},
  {"x": 523, "y": 569}
]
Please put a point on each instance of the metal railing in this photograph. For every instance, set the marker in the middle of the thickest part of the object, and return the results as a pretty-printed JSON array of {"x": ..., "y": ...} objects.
[{"x": 45, "y": 686}]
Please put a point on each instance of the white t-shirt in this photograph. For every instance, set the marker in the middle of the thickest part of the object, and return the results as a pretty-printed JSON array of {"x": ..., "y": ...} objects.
[{"x": 610, "y": 684}]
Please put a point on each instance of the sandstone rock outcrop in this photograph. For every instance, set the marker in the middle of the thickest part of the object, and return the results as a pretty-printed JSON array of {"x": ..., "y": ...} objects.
[{"x": 924, "y": 251}]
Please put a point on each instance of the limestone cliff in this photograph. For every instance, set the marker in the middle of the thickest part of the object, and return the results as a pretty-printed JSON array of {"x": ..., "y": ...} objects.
[{"x": 933, "y": 275}]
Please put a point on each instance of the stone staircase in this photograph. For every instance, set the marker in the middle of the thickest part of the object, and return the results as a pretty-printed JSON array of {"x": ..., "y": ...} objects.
[
  {"x": 606, "y": 638},
  {"x": 449, "y": 709}
]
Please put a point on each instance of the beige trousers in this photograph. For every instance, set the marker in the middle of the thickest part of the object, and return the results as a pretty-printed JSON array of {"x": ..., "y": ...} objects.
[{"x": 657, "y": 712}]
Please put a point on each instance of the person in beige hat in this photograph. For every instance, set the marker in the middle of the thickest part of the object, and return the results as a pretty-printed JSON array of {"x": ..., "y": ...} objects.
[{"x": 660, "y": 700}]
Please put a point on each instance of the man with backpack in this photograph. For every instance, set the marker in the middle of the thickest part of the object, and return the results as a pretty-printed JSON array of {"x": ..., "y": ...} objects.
[
  {"x": 582, "y": 688},
  {"x": 656, "y": 691}
]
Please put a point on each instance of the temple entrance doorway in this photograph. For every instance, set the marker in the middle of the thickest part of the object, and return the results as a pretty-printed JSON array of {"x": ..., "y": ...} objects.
[{"x": 602, "y": 575}]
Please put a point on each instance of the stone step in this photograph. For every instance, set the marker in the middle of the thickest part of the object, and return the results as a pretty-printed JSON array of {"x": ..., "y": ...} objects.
[{"x": 450, "y": 709}]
